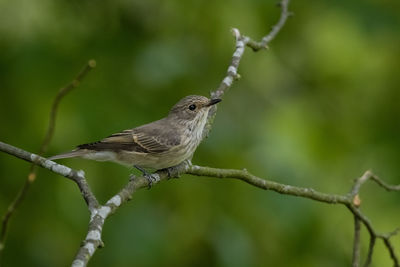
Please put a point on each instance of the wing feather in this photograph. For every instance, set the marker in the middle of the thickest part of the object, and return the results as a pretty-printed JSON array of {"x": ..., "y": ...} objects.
[{"x": 150, "y": 138}]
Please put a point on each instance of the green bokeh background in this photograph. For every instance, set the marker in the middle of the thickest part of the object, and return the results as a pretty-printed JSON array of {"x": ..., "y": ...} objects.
[{"x": 316, "y": 110}]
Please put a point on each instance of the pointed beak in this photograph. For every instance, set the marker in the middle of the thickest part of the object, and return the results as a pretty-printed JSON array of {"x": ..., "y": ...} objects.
[{"x": 214, "y": 101}]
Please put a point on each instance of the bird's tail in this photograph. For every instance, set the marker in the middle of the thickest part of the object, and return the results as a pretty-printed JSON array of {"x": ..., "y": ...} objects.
[{"x": 70, "y": 154}]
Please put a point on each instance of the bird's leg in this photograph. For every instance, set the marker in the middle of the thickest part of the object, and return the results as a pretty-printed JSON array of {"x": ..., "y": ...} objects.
[
  {"x": 150, "y": 177},
  {"x": 189, "y": 162}
]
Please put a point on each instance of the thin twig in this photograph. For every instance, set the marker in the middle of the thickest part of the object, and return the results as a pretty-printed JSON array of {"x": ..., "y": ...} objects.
[
  {"x": 359, "y": 182},
  {"x": 241, "y": 42},
  {"x": 392, "y": 253},
  {"x": 60, "y": 95},
  {"x": 49, "y": 134},
  {"x": 384, "y": 184},
  {"x": 371, "y": 247},
  {"x": 356, "y": 201},
  {"x": 285, "y": 14},
  {"x": 389, "y": 246},
  {"x": 356, "y": 242}
]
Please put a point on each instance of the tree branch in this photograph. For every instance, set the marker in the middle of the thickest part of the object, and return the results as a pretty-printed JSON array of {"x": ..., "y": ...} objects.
[
  {"x": 285, "y": 189},
  {"x": 389, "y": 246},
  {"x": 93, "y": 239},
  {"x": 371, "y": 246},
  {"x": 263, "y": 44},
  {"x": 49, "y": 134},
  {"x": 77, "y": 176},
  {"x": 356, "y": 201},
  {"x": 98, "y": 213},
  {"x": 351, "y": 201},
  {"x": 241, "y": 42},
  {"x": 356, "y": 243}
]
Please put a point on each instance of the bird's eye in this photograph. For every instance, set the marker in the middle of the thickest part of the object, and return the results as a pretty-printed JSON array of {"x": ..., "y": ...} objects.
[{"x": 192, "y": 107}]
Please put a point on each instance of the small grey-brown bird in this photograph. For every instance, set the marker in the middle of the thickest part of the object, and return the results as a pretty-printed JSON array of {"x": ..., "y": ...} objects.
[{"x": 158, "y": 145}]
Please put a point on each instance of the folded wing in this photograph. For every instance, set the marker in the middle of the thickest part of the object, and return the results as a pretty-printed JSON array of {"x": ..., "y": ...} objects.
[{"x": 144, "y": 139}]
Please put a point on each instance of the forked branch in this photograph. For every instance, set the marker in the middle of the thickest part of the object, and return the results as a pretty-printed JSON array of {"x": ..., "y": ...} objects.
[
  {"x": 99, "y": 213},
  {"x": 31, "y": 177}
]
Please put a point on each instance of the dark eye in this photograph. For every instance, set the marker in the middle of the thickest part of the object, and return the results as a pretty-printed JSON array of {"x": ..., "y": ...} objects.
[{"x": 192, "y": 107}]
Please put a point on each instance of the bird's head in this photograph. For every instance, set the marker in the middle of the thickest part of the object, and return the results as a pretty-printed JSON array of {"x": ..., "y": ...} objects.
[{"x": 193, "y": 108}]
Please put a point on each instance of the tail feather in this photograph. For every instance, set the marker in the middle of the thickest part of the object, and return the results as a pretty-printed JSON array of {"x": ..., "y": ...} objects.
[{"x": 70, "y": 154}]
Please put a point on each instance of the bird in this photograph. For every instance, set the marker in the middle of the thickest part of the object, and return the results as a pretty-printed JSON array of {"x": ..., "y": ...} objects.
[{"x": 157, "y": 145}]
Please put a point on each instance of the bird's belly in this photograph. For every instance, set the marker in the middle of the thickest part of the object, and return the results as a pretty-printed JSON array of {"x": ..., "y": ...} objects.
[{"x": 152, "y": 160}]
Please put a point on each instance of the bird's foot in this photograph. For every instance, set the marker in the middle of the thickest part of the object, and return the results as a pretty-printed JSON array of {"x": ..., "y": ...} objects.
[{"x": 151, "y": 178}]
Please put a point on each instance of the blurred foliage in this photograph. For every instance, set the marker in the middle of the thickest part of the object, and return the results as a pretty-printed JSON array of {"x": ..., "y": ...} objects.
[{"x": 318, "y": 109}]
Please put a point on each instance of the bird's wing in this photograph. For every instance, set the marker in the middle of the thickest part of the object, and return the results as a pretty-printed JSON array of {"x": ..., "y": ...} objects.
[{"x": 146, "y": 139}]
